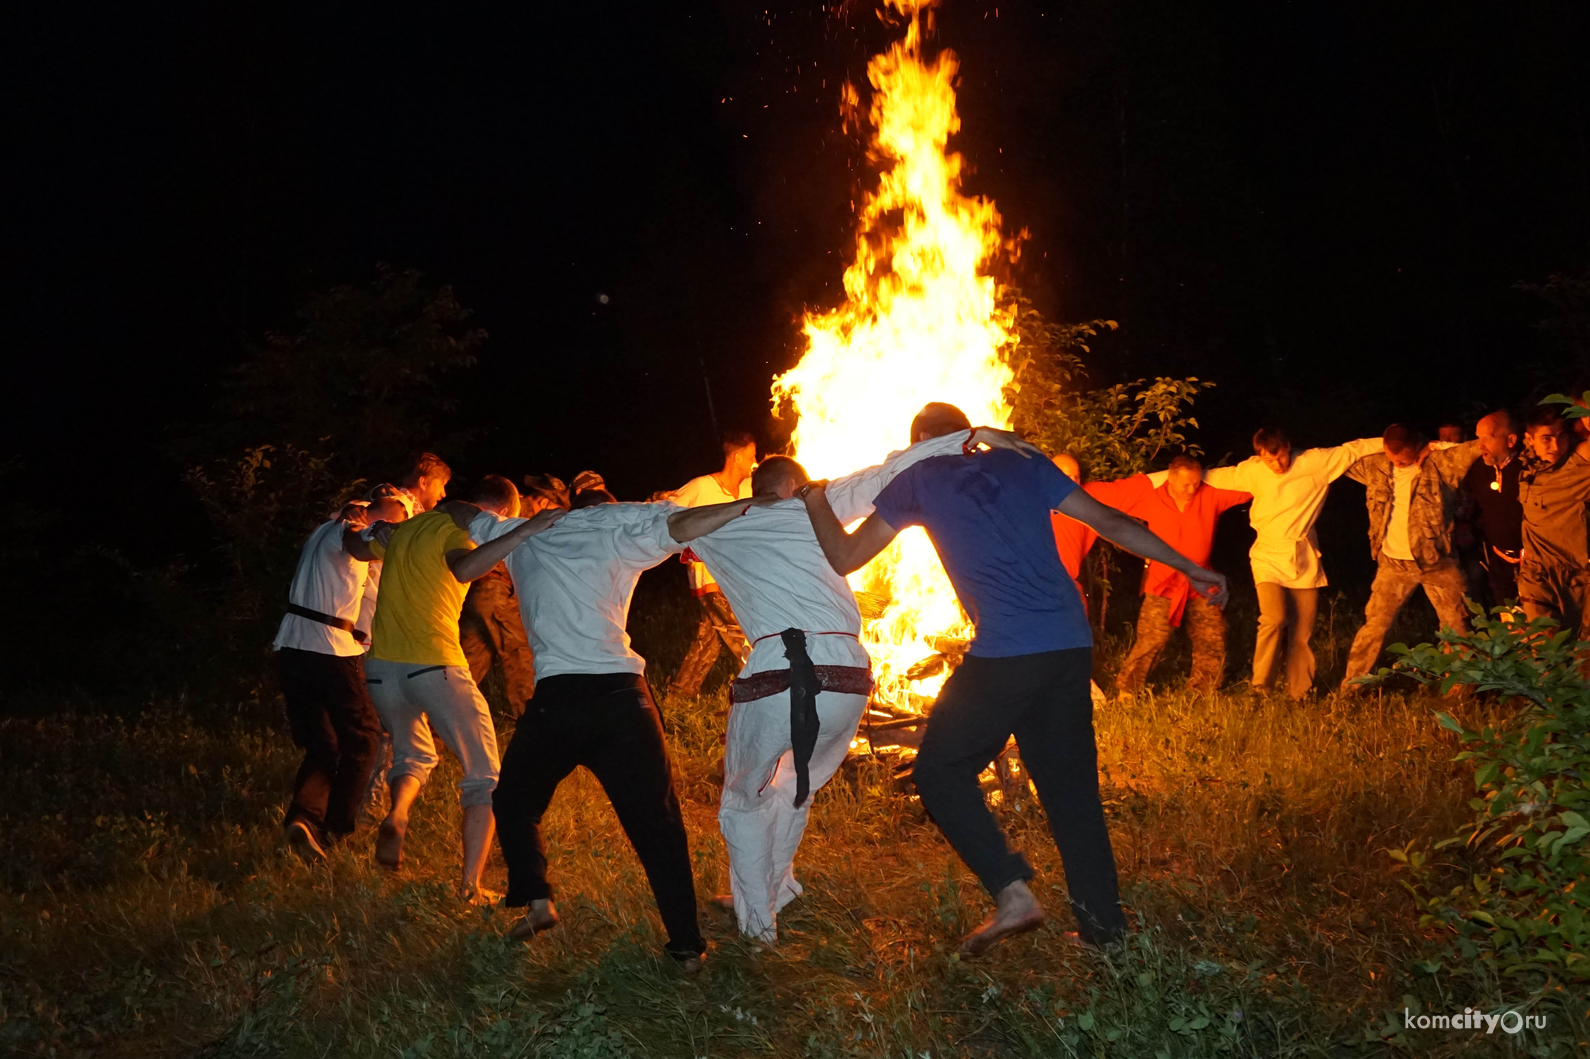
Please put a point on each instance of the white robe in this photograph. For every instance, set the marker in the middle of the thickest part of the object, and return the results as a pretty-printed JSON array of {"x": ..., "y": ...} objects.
[{"x": 772, "y": 570}]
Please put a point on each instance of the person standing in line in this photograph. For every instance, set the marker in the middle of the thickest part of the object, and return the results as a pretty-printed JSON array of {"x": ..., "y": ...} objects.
[
  {"x": 1183, "y": 512},
  {"x": 1412, "y": 492},
  {"x": 419, "y": 678},
  {"x": 1288, "y": 490},
  {"x": 320, "y": 664},
  {"x": 718, "y": 627},
  {"x": 593, "y": 706},
  {"x": 1492, "y": 488},
  {"x": 491, "y": 630},
  {"x": 1554, "y": 566},
  {"x": 1028, "y": 667}
]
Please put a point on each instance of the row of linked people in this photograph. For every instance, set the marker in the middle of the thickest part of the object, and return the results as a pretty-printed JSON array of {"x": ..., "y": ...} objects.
[
  {"x": 778, "y": 556},
  {"x": 1510, "y": 505}
]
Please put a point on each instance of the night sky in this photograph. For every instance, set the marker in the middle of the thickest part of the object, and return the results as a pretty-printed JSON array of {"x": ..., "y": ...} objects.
[{"x": 1325, "y": 208}]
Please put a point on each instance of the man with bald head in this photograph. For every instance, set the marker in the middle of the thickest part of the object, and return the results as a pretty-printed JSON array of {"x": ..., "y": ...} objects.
[
  {"x": 320, "y": 665},
  {"x": 1492, "y": 488},
  {"x": 805, "y": 683}
]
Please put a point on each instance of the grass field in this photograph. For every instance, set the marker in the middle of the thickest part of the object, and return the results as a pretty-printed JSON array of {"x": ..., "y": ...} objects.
[{"x": 150, "y": 909}]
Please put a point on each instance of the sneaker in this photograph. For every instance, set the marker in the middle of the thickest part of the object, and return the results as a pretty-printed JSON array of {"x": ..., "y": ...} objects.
[{"x": 302, "y": 841}]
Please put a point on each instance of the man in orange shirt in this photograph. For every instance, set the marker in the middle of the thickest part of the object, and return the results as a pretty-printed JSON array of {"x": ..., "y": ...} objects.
[
  {"x": 1074, "y": 539},
  {"x": 1183, "y": 512}
]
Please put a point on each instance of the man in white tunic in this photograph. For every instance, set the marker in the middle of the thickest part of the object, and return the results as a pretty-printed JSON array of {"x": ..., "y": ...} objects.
[
  {"x": 592, "y": 705},
  {"x": 797, "y": 612},
  {"x": 1288, "y": 492}
]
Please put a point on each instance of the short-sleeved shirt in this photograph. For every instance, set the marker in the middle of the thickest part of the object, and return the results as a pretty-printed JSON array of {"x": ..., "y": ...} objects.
[
  {"x": 988, "y": 516},
  {"x": 416, "y": 621},
  {"x": 574, "y": 582},
  {"x": 1555, "y": 517},
  {"x": 330, "y": 581},
  {"x": 699, "y": 492}
]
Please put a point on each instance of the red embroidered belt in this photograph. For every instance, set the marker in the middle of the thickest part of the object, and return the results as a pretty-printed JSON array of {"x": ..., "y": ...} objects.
[{"x": 846, "y": 680}]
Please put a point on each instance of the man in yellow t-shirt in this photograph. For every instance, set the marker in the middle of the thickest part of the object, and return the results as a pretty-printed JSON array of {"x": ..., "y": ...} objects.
[{"x": 419, "y": 678}]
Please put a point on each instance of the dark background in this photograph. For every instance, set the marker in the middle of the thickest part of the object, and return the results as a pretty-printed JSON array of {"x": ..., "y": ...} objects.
[{"x": 1323, "y": 207}]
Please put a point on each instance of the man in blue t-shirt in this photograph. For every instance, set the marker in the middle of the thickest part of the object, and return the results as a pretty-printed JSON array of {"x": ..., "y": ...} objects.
[{"x": 1028, "y": 670}]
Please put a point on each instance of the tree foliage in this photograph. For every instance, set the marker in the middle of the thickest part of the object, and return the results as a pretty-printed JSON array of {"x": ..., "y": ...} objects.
[
  {"x": 309, "y": 416},
  {"x": 1525, "y": 905},
  {"x": 1114, "y": 431}
]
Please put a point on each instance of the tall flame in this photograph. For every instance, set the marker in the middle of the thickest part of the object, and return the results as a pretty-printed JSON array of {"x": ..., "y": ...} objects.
[{"x": 920, "y": 323}]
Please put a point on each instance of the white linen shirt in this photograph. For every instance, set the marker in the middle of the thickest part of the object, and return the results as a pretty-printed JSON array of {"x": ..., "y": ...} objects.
[
  {"x": 771, "y": 569},
  {"x": 699, "y": 492},
  {"x": 330, "y": 581},
  {"x": 575, "y": 580},
  {"x": 1286, "y": 506}
]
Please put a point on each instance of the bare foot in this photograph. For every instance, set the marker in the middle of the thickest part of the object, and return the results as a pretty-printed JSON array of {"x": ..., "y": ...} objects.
[
  {"x": 541, "y": 915},
  {"x": 479, "y": 895},
  {"x": 689, "y": 964},
  {"x": 1016, "y": 911},
  {"x": 389, "y": 844},
  {"x": 723, "y": 901}
]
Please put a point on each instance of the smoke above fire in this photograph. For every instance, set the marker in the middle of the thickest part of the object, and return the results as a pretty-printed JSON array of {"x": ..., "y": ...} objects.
[{"x": 921, "y": 322}]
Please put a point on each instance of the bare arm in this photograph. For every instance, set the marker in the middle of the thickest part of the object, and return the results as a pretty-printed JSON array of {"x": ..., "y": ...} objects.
[
  {"x": 471, "y": 564},
  {"x": 845, "y": 552},
  {"x": 357, "y": 546},
  {"x": 693, "y": 522},
  {"x": 1132, "y": 535}
]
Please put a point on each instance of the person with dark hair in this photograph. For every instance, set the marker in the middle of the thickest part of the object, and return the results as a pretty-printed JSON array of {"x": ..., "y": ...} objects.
[
  {"x": 717, "y": 628},
  {"x": 320, "y": 664},
  {"x": 489, "y": 629},
  {"x": 592, "y": 705},
  {"x": 1027, "y": 670},
  {"x": 1452, "y": 432},
  {"x": 425, "y": 483},
  {"x": 1412, "y": 490},
  {"x": 806, "y": 657},
  {"x": 1288, "y": 490},
  {"x": 1554, "y": 567},
  {"x": 420, "y": 682},
  {"x": 1492, "y": 489},
  {"x": 1182, "y": 511}
]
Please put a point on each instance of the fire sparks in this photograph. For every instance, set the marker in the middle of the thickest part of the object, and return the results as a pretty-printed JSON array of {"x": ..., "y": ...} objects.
[{"x": 921, "y": 322}]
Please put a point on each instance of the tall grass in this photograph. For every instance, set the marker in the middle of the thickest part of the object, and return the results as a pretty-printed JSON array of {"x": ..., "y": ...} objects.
[{"x": 150, "y": 908}]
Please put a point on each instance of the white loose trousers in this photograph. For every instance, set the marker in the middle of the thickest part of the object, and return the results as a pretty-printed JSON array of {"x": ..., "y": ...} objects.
[{"x": 761, "y": 826}]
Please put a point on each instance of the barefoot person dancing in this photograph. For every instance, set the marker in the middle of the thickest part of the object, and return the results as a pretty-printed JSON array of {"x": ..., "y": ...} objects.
[
  {"x": 807, "y": 655},
  {"x": 1027, "y": 671}
]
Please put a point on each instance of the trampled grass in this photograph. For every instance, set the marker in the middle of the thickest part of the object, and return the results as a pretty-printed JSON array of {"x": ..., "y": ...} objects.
[{"x": 150, "y": 908}]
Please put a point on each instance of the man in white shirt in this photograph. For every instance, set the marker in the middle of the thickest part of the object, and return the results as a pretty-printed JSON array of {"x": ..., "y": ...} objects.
[
  {"x": 718, "y": 627},
  {"x": 1288, "y": 490},
  {"x": 1412, "y": 490},
  {"x": 320, "y": 649},
  {"x": 592, "y": 705},
  {"x": 799, "y": 613}
]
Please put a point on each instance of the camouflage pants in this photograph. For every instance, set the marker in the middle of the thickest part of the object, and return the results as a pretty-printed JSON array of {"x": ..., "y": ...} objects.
[
  {"x": 1394, "y": 582},
  {"x": 492, "y": 630},
  {"x": 1206, "y": 630},
  {"x": 717, "y": 629},
  {"x": 1553, "y": 590}
]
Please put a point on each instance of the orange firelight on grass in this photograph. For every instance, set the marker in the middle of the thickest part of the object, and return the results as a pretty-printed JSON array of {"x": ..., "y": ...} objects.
[{"x": 921, "y": 322}]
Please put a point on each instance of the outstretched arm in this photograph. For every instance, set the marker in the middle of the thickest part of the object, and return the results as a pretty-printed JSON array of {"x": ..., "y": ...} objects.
[
  {"x": 845, "y": 551},
  {"x": 471, "y": 564},
  {"x": 1132, "y": 535},
  {"x": 692, "y": 522}
]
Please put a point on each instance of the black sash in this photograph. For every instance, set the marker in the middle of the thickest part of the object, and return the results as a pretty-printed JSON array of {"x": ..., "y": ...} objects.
[
  {"x": 803, "y": 724},
  {"x": 328, "y": 619}
]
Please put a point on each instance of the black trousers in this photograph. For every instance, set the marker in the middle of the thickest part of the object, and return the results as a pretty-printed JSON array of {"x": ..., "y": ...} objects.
[
  {"x": 608, "y": 723},
  {"x": 332, "y": 719},
  {"x": 1045, "y": 701}
]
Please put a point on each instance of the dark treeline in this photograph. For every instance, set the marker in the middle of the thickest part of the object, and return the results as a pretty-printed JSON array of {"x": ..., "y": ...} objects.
[{"x": 1343, "y": 216}]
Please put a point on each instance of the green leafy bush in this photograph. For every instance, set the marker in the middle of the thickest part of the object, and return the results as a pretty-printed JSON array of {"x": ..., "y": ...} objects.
[{"x": 1526, "y": 905}]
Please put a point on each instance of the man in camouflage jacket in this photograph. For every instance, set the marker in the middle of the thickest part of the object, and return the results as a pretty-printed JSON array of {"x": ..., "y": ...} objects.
[{"x": 1412, "y": 496}]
